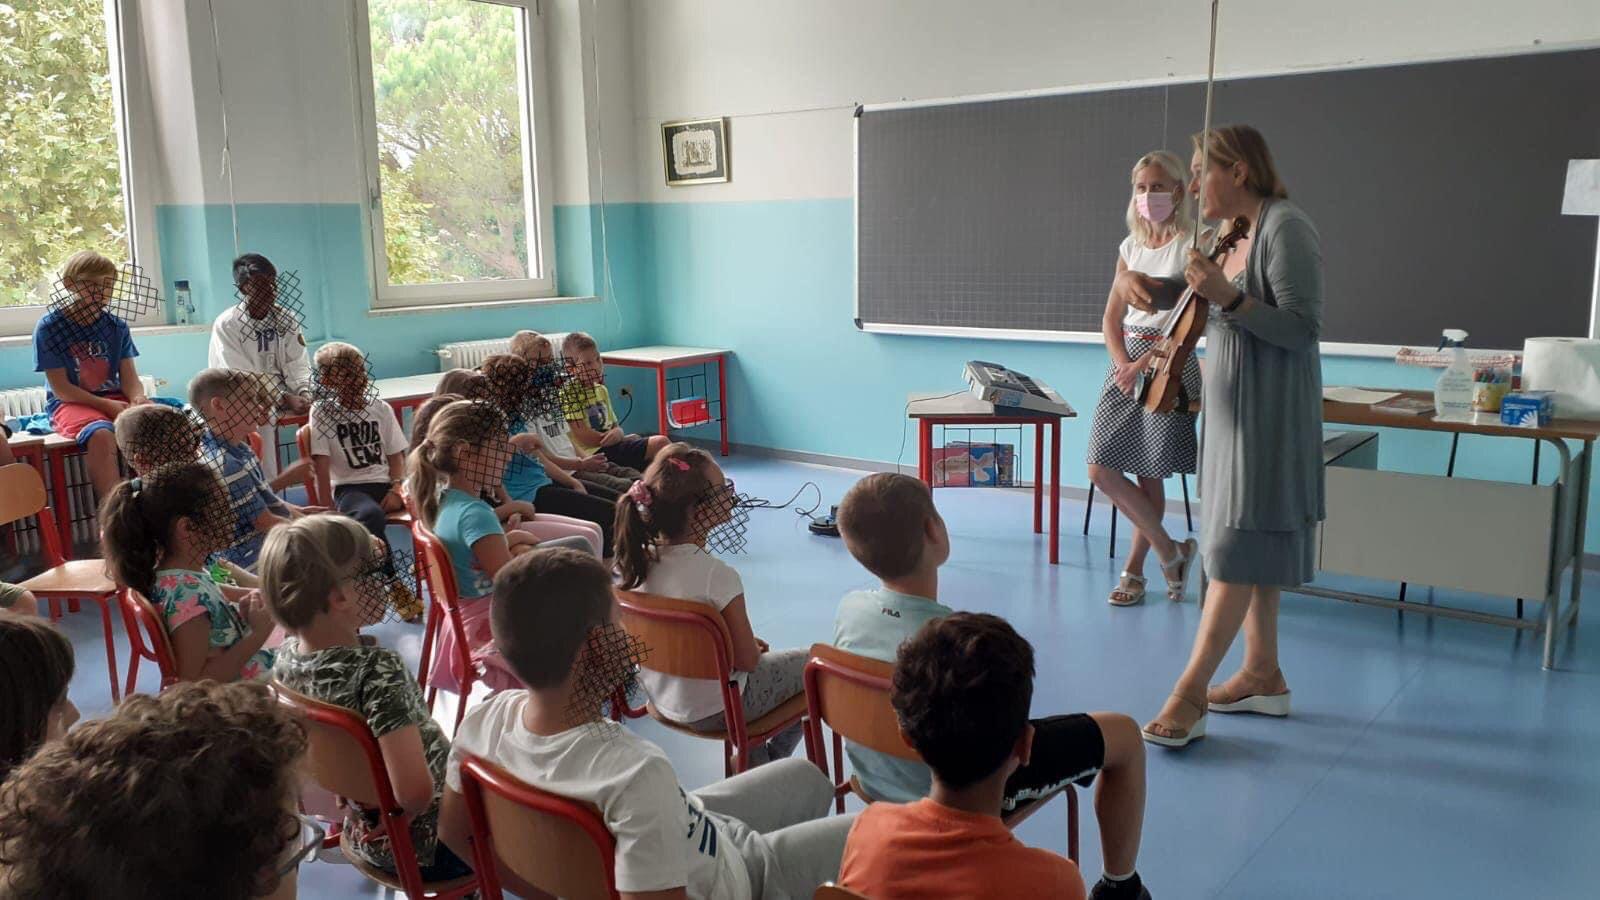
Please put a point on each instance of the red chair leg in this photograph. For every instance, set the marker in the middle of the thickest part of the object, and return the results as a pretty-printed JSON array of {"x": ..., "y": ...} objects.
[
  {"x": 838, "y": 773},
  {"x": 429, "y": 627},
  {"x": 1072, "y": 823}
]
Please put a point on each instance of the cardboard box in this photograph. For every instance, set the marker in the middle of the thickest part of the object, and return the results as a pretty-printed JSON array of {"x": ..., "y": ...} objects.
[
  {"x": 971, "y": 464},
  {"x": 1528, "y": 409}
]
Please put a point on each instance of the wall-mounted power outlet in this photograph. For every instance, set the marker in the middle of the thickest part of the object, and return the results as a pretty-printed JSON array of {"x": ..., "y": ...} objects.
[{"x": 624, "y": 392}]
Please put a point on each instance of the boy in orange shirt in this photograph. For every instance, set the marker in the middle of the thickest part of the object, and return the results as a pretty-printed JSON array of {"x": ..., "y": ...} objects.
[{"x": 962, "y": 687}]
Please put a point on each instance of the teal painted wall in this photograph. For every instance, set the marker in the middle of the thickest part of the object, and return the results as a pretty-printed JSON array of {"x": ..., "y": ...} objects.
[
  {"x": 775, "y": 282},
  {"x": 326, "y": 244}
]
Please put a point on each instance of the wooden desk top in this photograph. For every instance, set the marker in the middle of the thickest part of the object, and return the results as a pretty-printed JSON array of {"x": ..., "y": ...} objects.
[
  {"x": 1483, "y": 423},
  {"x": 928, "y": 405}
]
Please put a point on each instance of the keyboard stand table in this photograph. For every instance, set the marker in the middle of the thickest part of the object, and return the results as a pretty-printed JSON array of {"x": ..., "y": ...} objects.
[{"x": 963, "y": 409}]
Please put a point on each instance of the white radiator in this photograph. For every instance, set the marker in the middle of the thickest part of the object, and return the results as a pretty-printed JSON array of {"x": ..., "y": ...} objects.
[
  {"x": 470, "y": 354},
  {"x": 18, "y": 402}
]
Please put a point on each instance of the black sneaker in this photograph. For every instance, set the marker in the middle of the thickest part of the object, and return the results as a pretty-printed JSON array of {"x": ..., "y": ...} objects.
[{"x": 1131, "y": 889}]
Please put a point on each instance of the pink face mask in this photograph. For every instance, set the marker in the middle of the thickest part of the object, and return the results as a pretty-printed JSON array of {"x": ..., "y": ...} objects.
[{"x": 1155, "y": 207}]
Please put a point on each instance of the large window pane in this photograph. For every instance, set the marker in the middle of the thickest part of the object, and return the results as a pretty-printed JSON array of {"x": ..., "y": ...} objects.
[
  {"x": 60, "y": 173},
  {"x": 449, "y": 111}
]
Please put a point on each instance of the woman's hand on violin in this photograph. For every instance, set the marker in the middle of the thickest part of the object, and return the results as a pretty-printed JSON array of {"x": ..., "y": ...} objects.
[
  {"x": 1134, "y": 289},
  {"x": 1207, "y": 279},
  {"x": 1127, "y": 373}
]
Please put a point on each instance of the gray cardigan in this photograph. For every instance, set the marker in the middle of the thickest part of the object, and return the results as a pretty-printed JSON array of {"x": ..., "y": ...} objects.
[{"x": 1261, "y": 456}]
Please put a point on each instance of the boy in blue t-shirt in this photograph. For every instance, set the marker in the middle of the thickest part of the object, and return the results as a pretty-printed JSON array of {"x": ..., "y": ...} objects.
[
  {"x": 234, "y": 404},
  {"x": 86, "y": 355}
]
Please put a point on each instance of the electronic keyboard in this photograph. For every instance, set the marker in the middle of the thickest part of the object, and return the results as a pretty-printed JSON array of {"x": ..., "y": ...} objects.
[{"x": 994, "y": 383}]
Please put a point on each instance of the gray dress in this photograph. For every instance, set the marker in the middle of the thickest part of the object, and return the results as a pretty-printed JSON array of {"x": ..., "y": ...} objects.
[{"x": 1261, "y": 433}]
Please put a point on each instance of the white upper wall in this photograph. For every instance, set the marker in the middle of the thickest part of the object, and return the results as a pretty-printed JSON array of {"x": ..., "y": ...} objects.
[
  {"x": 789, "y": 72},
  {"x": 288, "y": 78}
]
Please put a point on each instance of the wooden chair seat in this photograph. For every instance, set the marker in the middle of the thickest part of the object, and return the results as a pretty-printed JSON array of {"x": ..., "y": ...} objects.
[
  {"x": 392, "y": 881},
  {"x": 785, "y": 714},
  {"x": 77, "y": 576}
]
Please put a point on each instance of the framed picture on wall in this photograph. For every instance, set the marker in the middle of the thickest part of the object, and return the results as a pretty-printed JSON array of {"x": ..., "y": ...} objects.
[{"x": 695, "y": 151}]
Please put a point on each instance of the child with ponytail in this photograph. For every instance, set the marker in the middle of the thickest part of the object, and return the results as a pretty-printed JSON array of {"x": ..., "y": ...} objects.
[
  {"x": 662, "y": 526},
  {"x": 464, "y": 453},
  {"x": 158, "y": 532}
]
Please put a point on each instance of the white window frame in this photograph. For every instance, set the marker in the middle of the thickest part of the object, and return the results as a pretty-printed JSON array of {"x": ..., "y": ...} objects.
[
  {"x": 134, "y": 119},
  {"x": 532, "y": 89}
]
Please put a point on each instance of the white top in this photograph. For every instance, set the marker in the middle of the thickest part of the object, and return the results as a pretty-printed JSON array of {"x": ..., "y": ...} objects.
[
  {"x": 1166, "y": 261},
  {"x": 260, "y": 349},
  {"x": 660, "y": 354},
  {"x": 665, "y": 837},
  {"x": 686, "y": 572},
  {"x": 357, "y": 443},
  {"x": 552, "y": 430}
]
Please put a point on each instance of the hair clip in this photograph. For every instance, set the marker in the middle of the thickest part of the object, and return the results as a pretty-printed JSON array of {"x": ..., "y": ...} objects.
[
  {"x": 680, "y": 464},
  {"x": 135, "y": 485},
  {"x": 639, "y": 493}
]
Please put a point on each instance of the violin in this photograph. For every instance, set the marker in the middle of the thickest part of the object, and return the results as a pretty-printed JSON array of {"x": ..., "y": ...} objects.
[{"x": 1160, "y": 387}]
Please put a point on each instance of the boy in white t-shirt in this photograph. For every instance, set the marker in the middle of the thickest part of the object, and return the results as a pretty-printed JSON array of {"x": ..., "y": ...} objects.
[
  {"x": 359, "y": 452},
  {"x": 600, "y": 476},
  {"x": 765, "y": 833}
]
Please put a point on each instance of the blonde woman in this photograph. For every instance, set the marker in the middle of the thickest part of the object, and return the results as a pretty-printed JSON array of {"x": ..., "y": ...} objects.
[
  {"x": 1124, "y": 438},
  {"x": 1261, "y": 475}
]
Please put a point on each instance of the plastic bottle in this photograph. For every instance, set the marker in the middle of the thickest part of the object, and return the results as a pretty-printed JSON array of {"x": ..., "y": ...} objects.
[
  {"x": 1452, "y": 393},
  {"x": 185, "y": 306}
]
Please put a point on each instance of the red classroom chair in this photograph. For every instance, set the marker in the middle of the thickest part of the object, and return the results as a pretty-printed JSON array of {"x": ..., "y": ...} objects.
[
  {"x": 545, "y": 840},
  {"x": 444, "y": 611},
  {"x": 22, "y": 495},
  {"x": 344, "y": 758},
  {"x": 147, "y": 639},
  {"x": 690, "y": 640}
]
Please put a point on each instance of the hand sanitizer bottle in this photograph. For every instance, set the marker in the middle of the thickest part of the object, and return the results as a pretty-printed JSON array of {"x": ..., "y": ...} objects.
[
  {"x": 1452, "y": 393},
  {"x": 185, "y": 307}
]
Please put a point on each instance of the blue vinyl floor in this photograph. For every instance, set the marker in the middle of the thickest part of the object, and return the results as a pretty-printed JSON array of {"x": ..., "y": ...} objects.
[{"x": 1425, "y": 757}]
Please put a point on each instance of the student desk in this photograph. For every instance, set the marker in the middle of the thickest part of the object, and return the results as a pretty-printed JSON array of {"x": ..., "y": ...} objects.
[
  {"x": 662, "y": 358},
  {"x": 963, "y": 409},
  {"x": 1491, "y": 537}
]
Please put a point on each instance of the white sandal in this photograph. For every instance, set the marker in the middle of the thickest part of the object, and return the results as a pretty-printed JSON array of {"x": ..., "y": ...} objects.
[
  {"x": 1129, "y": 591},
  {"x": 1176, "y": 740},
  {"x": 1177, "y": 570}
]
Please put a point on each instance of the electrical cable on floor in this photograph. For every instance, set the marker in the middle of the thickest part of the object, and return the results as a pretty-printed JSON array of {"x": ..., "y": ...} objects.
[{"x": 807, "y": 513}]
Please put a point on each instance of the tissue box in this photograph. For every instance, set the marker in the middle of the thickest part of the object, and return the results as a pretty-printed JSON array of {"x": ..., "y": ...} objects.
[{"x": 1527, "y": 409}]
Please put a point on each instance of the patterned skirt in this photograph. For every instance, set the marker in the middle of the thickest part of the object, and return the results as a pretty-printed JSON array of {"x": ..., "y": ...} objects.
[{"x": 1123, "y": 436}]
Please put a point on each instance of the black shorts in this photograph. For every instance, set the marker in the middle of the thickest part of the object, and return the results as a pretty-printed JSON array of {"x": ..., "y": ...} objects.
[
  {"x": 629, "y": 452},
  {"x": 1066, "y": 749}
]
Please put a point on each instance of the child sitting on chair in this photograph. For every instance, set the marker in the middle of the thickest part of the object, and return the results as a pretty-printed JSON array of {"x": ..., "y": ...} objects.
[
  {"x": 889, "y": 524},
  {"x": 602, "y": 477},
  {"x": 158, "y": 531},
  {"x": 86, "y": 354},
  {"x": 765, "y": 833},
  {"x": 156, "y": 435},
  {"x": 587, "y": 405},
  {"x": 234, "y": 404},
  {"x": 359, "y": 453},
  {"x": 662, "y": 529},
  {"x": 465, "y": 451},
  {"x": 318, "y": 575},
  {"x": 962, "y": 686}
]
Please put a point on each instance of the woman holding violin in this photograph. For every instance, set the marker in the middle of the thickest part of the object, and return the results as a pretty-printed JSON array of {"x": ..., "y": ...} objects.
[
  {"x": 1261, "y": 476},
  {"x": 1124, "y": 437}
]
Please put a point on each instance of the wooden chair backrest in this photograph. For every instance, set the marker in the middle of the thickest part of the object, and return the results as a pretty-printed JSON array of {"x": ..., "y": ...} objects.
[
  {"x": 681, "y": 637},
  {"x": 342, "y": 756},
  {"x": 21, "y": 492},
  {"x": 831, "y": 891},
  {"x": 302, "y": 443},
  {"x": 552, "y": 842},
  {"x": 851, "y": 694}
]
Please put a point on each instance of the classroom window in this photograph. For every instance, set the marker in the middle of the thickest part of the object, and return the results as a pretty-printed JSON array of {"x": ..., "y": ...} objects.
[
  {"x": 459, "y": 208},
  {"x": 65, "y": 182}
]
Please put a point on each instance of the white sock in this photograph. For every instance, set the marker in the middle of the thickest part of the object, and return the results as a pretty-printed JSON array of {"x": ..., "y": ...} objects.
[{"x": 1117, "y": 879}]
